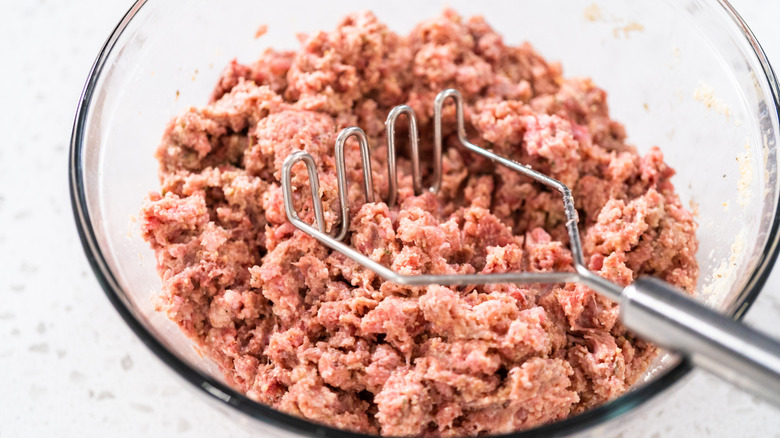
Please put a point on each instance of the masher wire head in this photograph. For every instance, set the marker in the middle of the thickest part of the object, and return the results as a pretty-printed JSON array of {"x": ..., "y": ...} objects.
[{"x": 580, "y": 274}]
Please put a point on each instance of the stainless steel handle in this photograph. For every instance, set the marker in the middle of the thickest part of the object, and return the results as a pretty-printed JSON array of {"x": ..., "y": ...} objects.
[{"x": 737, "y": 353}]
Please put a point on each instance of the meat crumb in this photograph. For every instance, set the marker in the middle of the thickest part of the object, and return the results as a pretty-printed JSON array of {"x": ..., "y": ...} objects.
[{"x": 261, "y": 30}]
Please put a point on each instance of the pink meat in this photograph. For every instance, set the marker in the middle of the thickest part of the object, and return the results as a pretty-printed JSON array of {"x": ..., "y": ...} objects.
[{"x": 307, "y": 331}]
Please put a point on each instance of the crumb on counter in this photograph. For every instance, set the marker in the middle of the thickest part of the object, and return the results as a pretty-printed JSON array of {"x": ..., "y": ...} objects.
[
  {"x": 627, "y": 29},
  {"x": 592, "y": 13},
  {"x": 261, "y": 30}
]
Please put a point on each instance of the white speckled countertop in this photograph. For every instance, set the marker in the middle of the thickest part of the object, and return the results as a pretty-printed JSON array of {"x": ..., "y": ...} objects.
[{"x": 70, "y": 366}]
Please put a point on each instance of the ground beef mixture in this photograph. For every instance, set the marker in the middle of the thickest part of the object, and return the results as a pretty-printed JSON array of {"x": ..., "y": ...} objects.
[{"x": 307, "y": 331}]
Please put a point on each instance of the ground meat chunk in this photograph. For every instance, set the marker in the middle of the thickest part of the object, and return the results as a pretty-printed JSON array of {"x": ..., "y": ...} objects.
[{"x": 308, "y": 331}]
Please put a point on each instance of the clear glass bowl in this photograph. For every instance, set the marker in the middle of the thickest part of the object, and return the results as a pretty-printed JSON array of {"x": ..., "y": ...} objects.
[{"x": 685, "y": 75}]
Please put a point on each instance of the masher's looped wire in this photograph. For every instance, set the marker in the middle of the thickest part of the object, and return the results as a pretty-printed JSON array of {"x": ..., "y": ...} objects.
[
  {"x": 341, "y": 174},
  {"x": 414, "y": 145},
  {"x": 314, "y": 183}
]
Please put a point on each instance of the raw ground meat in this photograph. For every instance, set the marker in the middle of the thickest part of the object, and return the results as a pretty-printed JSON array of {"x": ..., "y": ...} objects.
[{"x": 307, "y": 331}]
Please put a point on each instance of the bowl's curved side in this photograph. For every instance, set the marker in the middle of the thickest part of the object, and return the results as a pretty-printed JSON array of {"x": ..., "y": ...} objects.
[
  {"x": 222, "y": 393},
  {"x": 764, "y": 267}
]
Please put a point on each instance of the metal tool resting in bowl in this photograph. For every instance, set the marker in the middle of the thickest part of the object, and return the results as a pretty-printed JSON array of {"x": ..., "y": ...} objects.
[{"x": 651, "y": 308}]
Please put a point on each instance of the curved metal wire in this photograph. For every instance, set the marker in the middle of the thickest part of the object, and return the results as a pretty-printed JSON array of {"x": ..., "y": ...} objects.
[
  {"x": 314, "y": 183},
  {"x": 341, "y": 174},
  {"x": 414, "y": 145},
  {"x": 580, "y": 274}
]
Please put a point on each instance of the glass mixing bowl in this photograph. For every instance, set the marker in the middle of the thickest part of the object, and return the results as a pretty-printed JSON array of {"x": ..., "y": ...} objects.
[{"x": 685, "y": 75}]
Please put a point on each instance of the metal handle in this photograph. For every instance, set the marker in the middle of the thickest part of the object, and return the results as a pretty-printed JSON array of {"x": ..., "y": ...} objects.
[{"x": 737, "y": 353}]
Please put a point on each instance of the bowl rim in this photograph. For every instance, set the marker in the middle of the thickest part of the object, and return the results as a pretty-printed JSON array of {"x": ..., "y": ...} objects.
[{"x": 223, "y": 393}]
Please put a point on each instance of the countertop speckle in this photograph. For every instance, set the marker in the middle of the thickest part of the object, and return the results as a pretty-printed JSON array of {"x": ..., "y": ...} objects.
[{"x": 70, "y": 366}]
